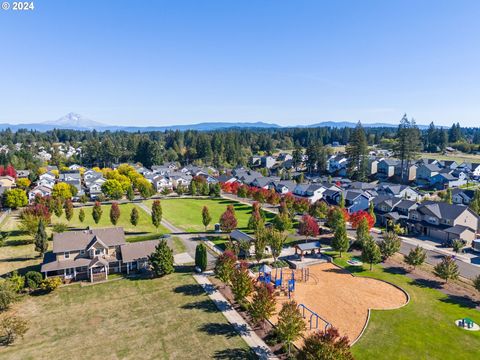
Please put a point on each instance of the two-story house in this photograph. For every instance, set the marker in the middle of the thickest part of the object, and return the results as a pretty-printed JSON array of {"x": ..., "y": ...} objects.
[
  {"x": 93, "y": 254},
  {"x": 444, "y": 222}
]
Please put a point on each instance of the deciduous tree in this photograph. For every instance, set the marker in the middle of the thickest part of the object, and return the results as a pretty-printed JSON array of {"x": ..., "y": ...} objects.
[
  {"x": 326, "y": 345},
  {"x": 225, "y": 265},
  {"x": 206, "y": 218},
  {"x": 308, "y": 227},
  {"x": 134, "y": 216},
  {"x": 262, "y": 306},
  {"x": 371, "y": 252},
  {"x": 81, "y": 215},
  {"x": 242, "y": 283},
  {"x": 416, "y": 257},
  {"x": 340, "y": 241},
  {"x": 97, "y": 212},
  {"x": 389, "y": 245},
  {"x": 446, "y": 269},
  {"x": 156, "y": 213},
  {"x": 68, "y": 209},
  {"x": 228, "y": 221},
  {"x": 290, "y": 325},
  {"x": 114, "y": 213}
]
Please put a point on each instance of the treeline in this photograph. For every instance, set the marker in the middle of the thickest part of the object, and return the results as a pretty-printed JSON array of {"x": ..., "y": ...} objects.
[{"x": 229, "y": 147}]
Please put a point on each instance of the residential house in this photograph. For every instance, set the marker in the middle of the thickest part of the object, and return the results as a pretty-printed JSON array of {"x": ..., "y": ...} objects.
[
  {"x": 444, "y": 222},
  {"x": 6, "y": 183},
  {"x": 312, "y": 192},
  {"x": 337, "y": 163},
  {"x": 462, "y": 196},
  {"x": 93, "y": 254},
  {"x": 39, "y": 190},
  {"x": 386, "y": 168}
]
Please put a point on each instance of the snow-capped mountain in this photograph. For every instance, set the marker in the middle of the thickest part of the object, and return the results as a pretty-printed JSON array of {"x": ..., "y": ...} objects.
[{"x": 75, "y": 121}]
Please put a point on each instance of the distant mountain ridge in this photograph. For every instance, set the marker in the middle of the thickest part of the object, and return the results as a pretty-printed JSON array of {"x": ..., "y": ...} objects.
[{"x": 75, "y": 121}]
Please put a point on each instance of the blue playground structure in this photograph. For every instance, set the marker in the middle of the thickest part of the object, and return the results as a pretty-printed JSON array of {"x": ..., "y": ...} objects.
[
  {"x": 265, "y": 274},
  {"x": 313, "y": 316}
]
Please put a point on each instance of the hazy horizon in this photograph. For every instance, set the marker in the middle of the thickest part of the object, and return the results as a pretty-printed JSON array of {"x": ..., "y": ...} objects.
[{"x": 289, "y": 63}]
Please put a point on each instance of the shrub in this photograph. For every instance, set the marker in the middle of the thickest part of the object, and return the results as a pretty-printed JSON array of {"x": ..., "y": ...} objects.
[
  {"x": 201, "y": 256},
  {"x": 60, "y": 228},
  {"x": 11, "y": 327},
  {"x": 50, "y": 284},
  {"x": 161, "y": 259},
  {"x": 33, "y": 279},
  {"x": 7, "y": 294}
]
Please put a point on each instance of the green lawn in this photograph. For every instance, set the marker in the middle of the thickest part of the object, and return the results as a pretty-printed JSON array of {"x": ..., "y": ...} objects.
[
  {"x": 423, "y": 329},
  {"x": 144, "y": 226},
  {"x": 166, "y": 318},
  {"x": 187, "y": 213}
]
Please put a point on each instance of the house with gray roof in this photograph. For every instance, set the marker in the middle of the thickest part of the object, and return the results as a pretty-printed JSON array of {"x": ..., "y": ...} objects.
[
  {"x": 94, "y": 253},
  {"x": 444, "y": 222}
]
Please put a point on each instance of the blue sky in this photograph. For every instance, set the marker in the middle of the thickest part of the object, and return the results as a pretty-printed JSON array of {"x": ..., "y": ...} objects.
[{"x": 288, "y": 62}]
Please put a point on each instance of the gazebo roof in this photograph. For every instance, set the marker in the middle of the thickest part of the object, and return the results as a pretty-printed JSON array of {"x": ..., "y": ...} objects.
[
  {"x": 265, "y": 269},
  {"x": 309, "y": 246}
]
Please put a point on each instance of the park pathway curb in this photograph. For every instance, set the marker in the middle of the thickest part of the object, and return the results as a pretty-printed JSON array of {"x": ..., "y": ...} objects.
[{"x": 257, "y": 345}]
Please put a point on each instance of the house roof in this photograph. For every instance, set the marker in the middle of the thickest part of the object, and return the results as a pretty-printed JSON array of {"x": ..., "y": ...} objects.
[
  {"x": 442, "y": 210},
  {"x": 432, "y": 167},
  {"x": 80, "y": 240},
  {"x": 138, "y": 250},
  {"x": 51, "y": 264},
  {"x": 240, "y": 236},
  {"x": 458, "y": 229}
]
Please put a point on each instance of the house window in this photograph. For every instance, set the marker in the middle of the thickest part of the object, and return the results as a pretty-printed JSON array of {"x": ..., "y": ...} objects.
[
  {"x": 98, "y": 251},
  {"x": 414, "y": 217},
  {"x": 82, "y": 252},
  {"x": 66, "y": 255}
]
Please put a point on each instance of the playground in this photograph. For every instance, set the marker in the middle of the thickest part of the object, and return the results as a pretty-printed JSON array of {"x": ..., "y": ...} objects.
[{"x": 330, "y": 296}]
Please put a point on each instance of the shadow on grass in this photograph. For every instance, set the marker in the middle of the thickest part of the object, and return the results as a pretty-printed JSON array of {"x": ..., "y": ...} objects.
[
  {"x": 189, "y": 290},
  {"x": 18, "y": 242},
  {"x": 208, "y": 305},
  {"x": 235, "y": 354},
  {"x": 426, "y": 283},
  {"x": 226, "y": 330},
  {"x": 395, "y": 270},
  {"x": 463, "y": 301}
]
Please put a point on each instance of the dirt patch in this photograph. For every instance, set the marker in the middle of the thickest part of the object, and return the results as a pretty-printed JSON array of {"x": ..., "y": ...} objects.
[{"x": 343, "y": 300}]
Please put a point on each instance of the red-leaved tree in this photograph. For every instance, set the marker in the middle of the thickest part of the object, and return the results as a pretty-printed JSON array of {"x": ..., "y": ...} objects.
[
  {"x": 356, "y": 217},
  {"x": 228, "y": 221},
  {"x": 308, "y": 227}
]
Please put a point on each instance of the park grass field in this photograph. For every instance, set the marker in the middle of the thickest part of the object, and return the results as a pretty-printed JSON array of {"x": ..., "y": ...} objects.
[
  {"x": 459, "y": 157},
  {"x": 18, "y": 252},
  {"x": 144, "y": 226},
  {"x": 163, "y": 318},
  {"x": 423, "y": 329},
  {"x": 186, "y": 213}
]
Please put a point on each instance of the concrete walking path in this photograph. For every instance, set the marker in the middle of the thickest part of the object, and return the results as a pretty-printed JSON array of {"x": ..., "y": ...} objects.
[{"x": 257, "y": 345}]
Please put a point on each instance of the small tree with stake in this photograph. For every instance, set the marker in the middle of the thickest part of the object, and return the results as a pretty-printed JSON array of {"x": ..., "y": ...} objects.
[
  {"x": 41, "y": 240},
  {"x": 242, "y": 283},
  {"x": 371, "y": 252},
  {"x": 263, "y": 304},
  {"x": 201, "y": 257},
  {"x": 290, "y": 324},
  {"x": 340, "y": 240},
  {"x": 446, "y": 269},
  {"x": 276, "y": 240},
  {"x": 156, "y": 213},
  {"x": 161, "y": 260},
  {"x": 260, "y": 242},
  {"x": 206, "y": 218},
  {"x": 416, "y": 257}
]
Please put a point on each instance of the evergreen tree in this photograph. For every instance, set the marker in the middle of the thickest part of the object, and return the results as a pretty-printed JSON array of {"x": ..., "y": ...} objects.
[
  {"x": 97, "y": 212},
  {"x": 371, "y": 252},
  {"x": 341, "y": 202},
  {"x": 206, "y": 218},
  {"x": 201, "y": 256},
  {"x": 114, "y": 213},
  {"x": 41, "y": 240},
  {"x": 290, "y": 325},
  {"x": 408, "y": 143},
  {"x": 134, "y": 216},
  {"x": 297, "y": 157},
  {"x": 161, "y": 260},
  {"x": 476, "y": 283},
  {"x": 357, "y": 154},
  {"x": 156, "y": 213},
  {"x": 447, "y": 269},
  {"x": 416, "y": 257},
  {"x": 58, "y": 206},
  {"x": 340, "y": 240},
  {"x": 371, "y": 211},
  {"x": 81, "y": 215}
]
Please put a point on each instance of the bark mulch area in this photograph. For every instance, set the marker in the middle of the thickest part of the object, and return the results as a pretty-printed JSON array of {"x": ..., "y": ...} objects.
[
  {"x": 263, "y": 332},
  {"x": 461, "y": 291}
]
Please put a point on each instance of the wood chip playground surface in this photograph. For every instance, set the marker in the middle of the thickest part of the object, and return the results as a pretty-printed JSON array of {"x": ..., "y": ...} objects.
[{"x": 341, "y": 298}]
